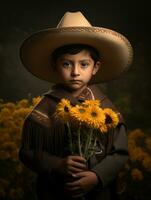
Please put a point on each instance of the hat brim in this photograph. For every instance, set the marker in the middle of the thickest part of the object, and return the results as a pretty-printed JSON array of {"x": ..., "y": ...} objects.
[{"x": 115, "y": 50}]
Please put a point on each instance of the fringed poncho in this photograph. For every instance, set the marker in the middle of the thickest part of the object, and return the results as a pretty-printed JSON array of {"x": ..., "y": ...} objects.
[{"x": 44, "y": 143}]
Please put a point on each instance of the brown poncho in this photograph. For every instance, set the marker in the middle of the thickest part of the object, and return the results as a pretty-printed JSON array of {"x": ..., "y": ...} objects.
[{"x": 44, "y": 144}]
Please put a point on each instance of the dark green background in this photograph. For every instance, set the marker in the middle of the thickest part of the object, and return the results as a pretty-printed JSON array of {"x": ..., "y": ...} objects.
[{"x": 131, "y": 92}]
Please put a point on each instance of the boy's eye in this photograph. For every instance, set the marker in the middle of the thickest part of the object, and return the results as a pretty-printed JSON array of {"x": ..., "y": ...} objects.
[
  {"x": 84, "y": 64},
  {"x": 66, "y": 64}
]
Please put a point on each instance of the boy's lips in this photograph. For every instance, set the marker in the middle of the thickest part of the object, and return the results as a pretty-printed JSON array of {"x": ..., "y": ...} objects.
[{"x": 75, "y": 80}]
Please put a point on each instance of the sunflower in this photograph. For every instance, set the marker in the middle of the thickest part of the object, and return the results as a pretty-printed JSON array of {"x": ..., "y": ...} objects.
[
  {"x": 63, "y": 110},
  {"x": 103, "y": 128},
  {"x": 78, "y": 113},
  {"x": 95, "y": 117},
  {"x": 88, "y": 103},
  {"x": 111, "y": 118}
]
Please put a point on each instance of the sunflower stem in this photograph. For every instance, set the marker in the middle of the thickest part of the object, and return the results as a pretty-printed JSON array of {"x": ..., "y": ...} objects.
[
  {"x": 94, "y": 144},
  {"x": 79, "y": 140},
  {"x": 70, "y": 138},
  {"x": 88, "y": 143}
]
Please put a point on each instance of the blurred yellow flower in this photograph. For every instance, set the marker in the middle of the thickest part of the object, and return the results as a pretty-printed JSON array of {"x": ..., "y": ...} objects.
[
  {"x": 147, "y": 162},
  {"x": 137, "y": 174},
  {"x": 10, "y": 146},
  {"x": 5, "y": 113},
  {"x": 131, "y": 144},
  {"x": 36, "y": 100},
  {"x": 137, "y": 154},
  {"x": 23, "y": 103},
  {"x": 11, "y": 106},
  {"x": 4, "y": 155},
  {"x": 14, "y": 155},
  {"x": 22, "y": 112},
  {"x": 137, "y": 133},
  {"x": 148, "y": 143}
]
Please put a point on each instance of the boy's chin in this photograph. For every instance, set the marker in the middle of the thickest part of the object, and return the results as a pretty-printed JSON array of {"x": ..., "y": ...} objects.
[{"x": 75, "y": 87}]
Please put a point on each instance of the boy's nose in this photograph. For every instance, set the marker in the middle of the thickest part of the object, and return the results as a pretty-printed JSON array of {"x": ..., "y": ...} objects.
[{"x": 75, "y": 71}]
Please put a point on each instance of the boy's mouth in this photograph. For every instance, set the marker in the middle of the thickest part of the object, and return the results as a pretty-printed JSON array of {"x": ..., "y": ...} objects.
[{"x": 74, "y": 80}]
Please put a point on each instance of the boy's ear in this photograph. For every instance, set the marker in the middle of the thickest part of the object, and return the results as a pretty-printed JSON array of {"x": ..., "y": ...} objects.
[{"x": 96, "y": 67}]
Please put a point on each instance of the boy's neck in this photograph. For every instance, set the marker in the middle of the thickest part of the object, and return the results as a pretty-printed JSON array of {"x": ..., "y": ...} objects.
[{"x": 74, "y": 93}]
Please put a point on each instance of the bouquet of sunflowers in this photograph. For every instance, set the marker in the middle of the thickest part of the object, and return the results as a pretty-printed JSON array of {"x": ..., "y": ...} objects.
[{"x": 84, "y": 122}]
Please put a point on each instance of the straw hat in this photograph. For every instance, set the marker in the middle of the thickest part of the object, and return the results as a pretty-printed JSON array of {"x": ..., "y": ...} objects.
[{"x": 115, "y": 50}]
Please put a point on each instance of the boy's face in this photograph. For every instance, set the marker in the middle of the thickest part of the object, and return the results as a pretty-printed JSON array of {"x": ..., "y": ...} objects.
[{"x": 75, "y": 71}]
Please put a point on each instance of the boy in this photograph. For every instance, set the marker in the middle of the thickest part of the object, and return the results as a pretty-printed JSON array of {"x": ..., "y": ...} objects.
[{"x": 73, "y": 56}]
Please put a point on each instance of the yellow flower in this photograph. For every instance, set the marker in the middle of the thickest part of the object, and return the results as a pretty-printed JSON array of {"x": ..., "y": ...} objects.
[
  {"x": 135, "y": 134},
  {"x": 137, "y": 174},
  {"x": 95, "y": 117},
  {"x": 63, "y": 110},
  {"x": 22, "y": 112},
  {"x": 148, "y": 143},
  {"x": 147, "y": 162},
  {"x": 4, "y": 154},
  {"x": 36, "y": 100},
  {"x": 11, "y": 106},
  {"x": 78, "y": 114},
  {"x": 88, "y": 103},
  {"x": 111, "y": 118},
  {"x": 137, "y": 153},
  {"x": 131, "y": 144},
  {"x": 8, "y": 146},
  {"x": 103, "y": 128},
  {"x": 5, "y": 114},
  {"x": 23, "y": 103}
]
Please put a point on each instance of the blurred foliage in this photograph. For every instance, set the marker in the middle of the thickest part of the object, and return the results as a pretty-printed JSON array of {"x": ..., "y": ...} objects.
[
  {"x": 134, "y": 179},
  {"x": 17, "y": 182}
]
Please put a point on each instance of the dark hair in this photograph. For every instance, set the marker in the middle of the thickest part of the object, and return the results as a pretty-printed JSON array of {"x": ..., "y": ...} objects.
[{"x": 74, "y": 49}]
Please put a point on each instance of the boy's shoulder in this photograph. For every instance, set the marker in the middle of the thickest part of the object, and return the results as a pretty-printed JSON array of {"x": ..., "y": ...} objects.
[
  {"x": 41, "y": 112},
  {"x": 105, "y": 100}
]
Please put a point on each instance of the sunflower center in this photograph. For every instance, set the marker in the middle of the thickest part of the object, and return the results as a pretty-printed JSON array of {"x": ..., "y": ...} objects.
[
  {"x": 94, "y": 114},
  {"x": 81, "y": 110},
  {"x": 108, "y": 119},
  {"x": 66, "y": 109}
]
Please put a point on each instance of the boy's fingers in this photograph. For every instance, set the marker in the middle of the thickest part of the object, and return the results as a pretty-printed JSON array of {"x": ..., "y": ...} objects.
[
  {"x": 78, "y": 159},
  {"x": 81, "y": 174},
  {"x": 72, "y": 184},
  {"x": 73, "y": 170},
  {"x": 79, "y": 165}
]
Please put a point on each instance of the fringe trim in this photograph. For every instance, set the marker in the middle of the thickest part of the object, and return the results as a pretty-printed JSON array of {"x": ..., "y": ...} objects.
[{"x": 40, "y": 138}]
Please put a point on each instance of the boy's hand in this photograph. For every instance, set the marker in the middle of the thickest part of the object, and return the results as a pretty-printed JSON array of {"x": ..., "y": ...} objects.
[
  {"x": 85, "y": 181},
  {"x": 71, "y": 165}
]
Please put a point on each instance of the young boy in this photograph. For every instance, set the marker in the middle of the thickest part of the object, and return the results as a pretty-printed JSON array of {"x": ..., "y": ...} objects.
[{"x": 74, "y": 56}]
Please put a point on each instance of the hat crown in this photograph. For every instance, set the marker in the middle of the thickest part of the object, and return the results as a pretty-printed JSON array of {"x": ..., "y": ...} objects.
[{"x": 71, "y": 19}]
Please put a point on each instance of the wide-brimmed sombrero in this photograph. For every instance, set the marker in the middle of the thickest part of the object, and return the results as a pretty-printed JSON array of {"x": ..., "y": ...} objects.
[{"x": 115, "y": 50}]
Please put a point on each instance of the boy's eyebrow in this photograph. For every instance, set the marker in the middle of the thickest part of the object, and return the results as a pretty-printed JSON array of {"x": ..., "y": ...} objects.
[{"x": 86, "y": 59}]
